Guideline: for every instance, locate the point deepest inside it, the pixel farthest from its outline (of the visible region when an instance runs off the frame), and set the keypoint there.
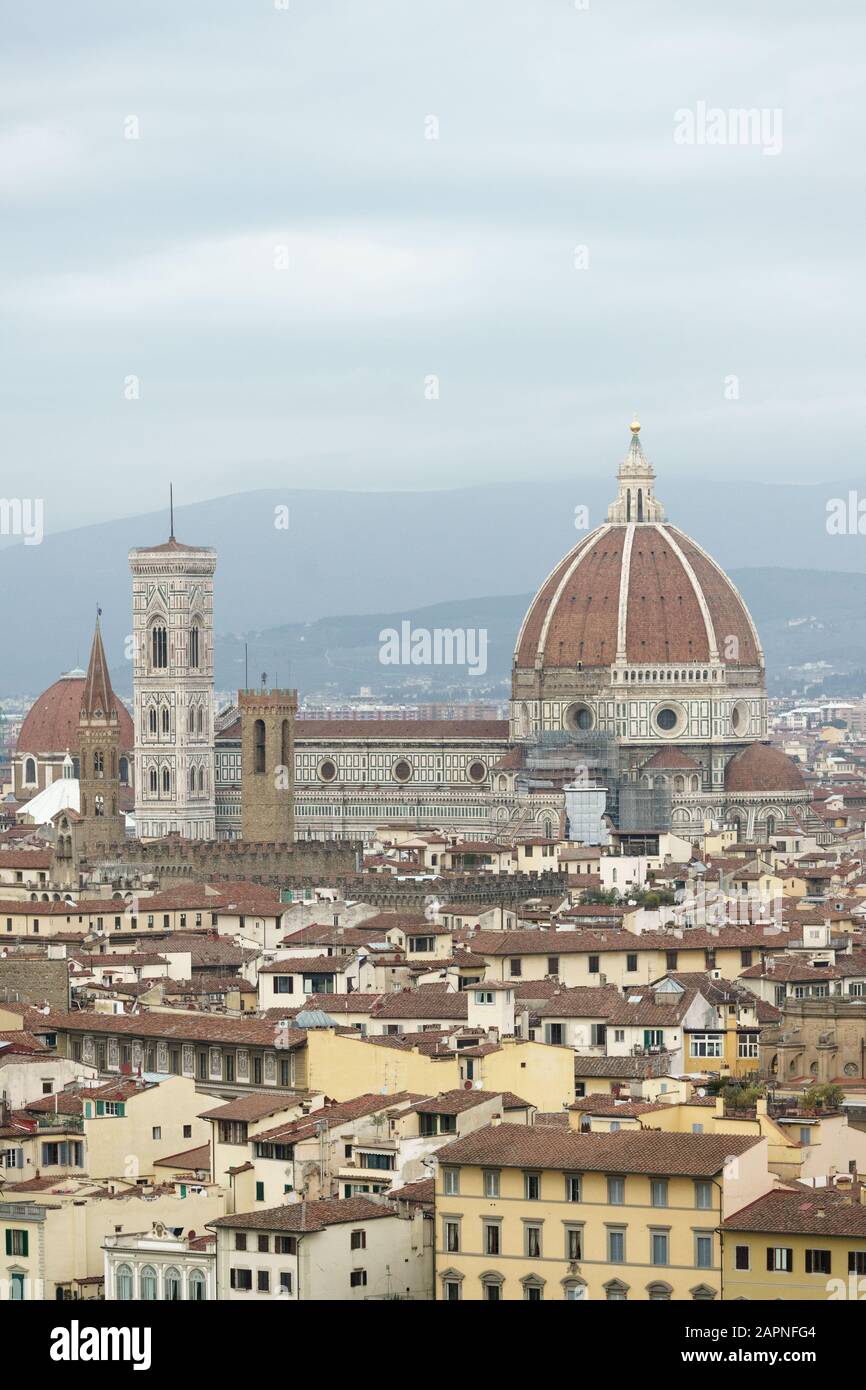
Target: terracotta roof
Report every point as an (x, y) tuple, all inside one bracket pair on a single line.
[(422, 1192), (650, 1152), (580, 1002), (575, 616), (255, 1106), (300, 1218), (194, 1027), (609, 1105), (190, 1160), (52, 723), (428, 1003), (334, 1113), (816, 1211), (624, 1068), (762, 768), (308, 965)]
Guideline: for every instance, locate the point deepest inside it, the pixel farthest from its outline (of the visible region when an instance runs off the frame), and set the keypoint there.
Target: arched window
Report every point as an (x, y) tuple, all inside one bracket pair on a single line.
[(679, 783), (151, 719), (158, 648), (771, 826), (192, 779), (696, 783), (491, 1286), (153, 780), (615, 1290), (200, 719), (166, 780), (574, 1290), (172, 1285), (193, 647), (99, 763), (148, 1283), (259, 744), (201, 779), (197, 1286), (640, 504), (190, 723), (30, 771), (124, 1283), (98, 806), (659, 1292), (166, 719)]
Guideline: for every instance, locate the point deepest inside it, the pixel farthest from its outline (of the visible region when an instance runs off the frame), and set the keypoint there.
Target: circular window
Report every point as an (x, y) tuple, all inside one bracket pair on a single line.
[(402, 771), (668, 719), (740, 717), (579, 718), (327, 770), (477, 771)]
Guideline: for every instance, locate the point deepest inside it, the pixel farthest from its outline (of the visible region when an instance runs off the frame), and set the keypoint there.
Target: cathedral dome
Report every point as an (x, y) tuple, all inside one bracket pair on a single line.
[(637, 591), (762, 768), (51, 724)]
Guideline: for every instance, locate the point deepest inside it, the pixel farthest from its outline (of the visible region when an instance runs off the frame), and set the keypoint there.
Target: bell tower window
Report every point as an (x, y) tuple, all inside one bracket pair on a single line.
[(159, 648)]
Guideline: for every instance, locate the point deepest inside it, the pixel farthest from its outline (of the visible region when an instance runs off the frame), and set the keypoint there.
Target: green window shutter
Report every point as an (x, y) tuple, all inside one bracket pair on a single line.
[(260, 1192), (121, 1109), (25, 1242), (8, 1242), (100, 1107), (183, 1189)]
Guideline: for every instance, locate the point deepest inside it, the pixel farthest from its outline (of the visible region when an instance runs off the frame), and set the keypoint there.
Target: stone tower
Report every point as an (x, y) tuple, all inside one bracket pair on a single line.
[(172, 616), (267, 764), (100, 822)]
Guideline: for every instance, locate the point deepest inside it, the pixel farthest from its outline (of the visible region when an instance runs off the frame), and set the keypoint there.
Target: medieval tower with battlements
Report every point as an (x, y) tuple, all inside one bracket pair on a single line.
[(268, 761)]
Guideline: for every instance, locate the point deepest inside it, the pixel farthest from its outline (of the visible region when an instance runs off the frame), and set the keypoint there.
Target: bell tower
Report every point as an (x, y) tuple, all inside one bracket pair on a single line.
[(268, 765), (100, 821)]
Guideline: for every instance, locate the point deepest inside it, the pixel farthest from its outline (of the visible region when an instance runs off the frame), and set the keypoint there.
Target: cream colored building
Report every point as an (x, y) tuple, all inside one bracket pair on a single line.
[(542, 1213), (334, 1250)]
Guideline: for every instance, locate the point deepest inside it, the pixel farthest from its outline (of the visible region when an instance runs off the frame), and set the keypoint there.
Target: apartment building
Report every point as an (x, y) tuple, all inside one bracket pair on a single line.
[(335, 1249), (540, 1212), (797, 1245)]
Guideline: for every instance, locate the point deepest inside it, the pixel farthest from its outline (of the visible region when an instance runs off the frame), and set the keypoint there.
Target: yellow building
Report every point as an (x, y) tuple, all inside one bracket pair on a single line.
[(797, 1245), (342, 1066), (541, 1212), (596, 955)]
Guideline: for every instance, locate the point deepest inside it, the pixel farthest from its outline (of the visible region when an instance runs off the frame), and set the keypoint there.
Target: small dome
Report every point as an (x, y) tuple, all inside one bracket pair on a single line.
[(763, 768)]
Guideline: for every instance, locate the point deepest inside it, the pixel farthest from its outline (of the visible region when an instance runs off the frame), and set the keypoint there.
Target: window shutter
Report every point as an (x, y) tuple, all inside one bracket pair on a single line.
[(770, 1264), (100, 1107), (8, 1242), (25, 1243)]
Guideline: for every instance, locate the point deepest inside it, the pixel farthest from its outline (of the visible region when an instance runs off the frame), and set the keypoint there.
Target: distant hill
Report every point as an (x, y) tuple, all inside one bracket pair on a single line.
[(395, 553), (802, 616)]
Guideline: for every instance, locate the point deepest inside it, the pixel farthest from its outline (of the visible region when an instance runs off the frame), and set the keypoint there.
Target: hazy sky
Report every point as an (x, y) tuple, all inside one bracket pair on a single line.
[(300, 134)]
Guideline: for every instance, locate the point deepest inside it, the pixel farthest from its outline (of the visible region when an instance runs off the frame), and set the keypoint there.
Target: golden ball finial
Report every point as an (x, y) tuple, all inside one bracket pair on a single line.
[(635, 425)]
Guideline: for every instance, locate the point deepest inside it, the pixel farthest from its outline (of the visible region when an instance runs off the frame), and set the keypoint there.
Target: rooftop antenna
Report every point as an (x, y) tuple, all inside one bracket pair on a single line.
[(171, 509)]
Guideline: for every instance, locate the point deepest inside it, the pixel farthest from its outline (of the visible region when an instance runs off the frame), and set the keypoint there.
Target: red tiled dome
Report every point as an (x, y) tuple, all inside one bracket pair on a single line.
[(644, 590), (762, 768), (51, 725)]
